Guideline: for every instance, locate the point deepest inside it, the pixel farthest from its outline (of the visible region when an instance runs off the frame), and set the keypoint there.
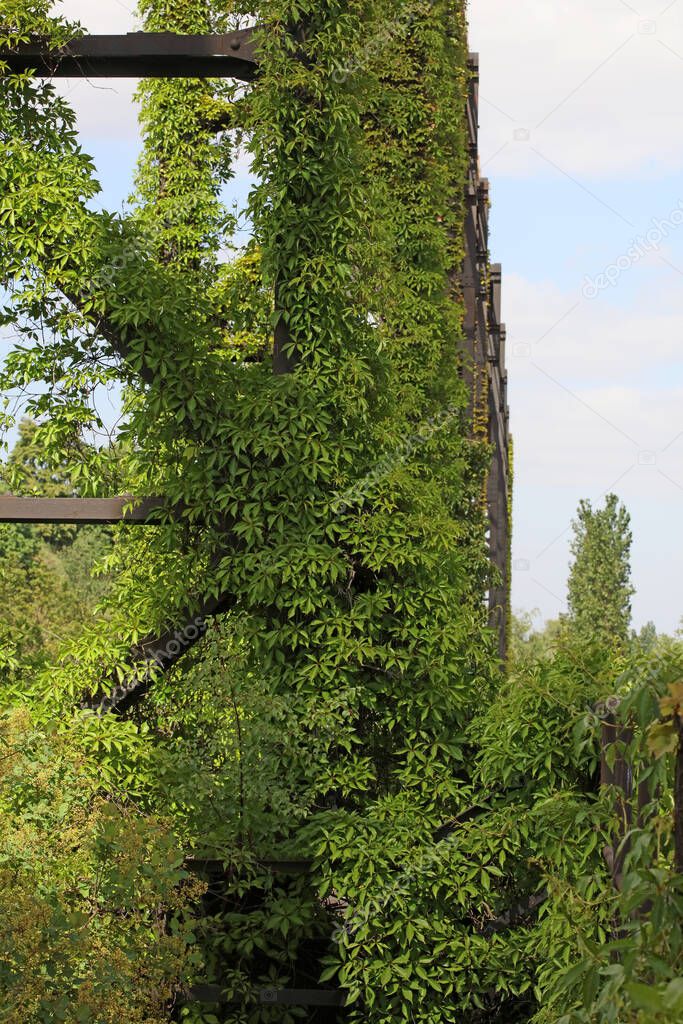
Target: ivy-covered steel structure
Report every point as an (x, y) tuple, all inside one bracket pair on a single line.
[(234, 55), (318, 409)]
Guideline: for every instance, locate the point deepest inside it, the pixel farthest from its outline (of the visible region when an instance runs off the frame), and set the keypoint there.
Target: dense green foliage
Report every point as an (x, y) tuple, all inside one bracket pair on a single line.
[(91, 891), (336, 508), (345, 708), (620, 946), (597, 954), (47, 588)]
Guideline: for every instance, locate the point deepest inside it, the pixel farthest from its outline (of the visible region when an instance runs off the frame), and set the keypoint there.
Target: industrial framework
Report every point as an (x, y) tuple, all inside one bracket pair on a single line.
[(485, 365), (233, 55)]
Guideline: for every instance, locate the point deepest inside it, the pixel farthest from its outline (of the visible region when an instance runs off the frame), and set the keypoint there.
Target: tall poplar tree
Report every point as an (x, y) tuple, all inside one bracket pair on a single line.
[(599, 588)]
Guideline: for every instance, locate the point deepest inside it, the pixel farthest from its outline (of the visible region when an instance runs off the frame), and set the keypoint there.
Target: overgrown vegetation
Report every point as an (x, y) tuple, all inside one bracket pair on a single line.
[(370, 804), (47, 589)]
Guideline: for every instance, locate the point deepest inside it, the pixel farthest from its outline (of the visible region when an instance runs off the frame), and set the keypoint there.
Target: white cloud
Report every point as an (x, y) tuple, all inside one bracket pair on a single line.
[(105, 107), (580, 339), (595, 387), (596, 406), (595, 83), (107, 16), (594, 437)]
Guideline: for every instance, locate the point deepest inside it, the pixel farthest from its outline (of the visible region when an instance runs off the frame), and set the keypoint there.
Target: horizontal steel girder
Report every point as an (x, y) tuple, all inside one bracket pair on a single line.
[(140, 55)]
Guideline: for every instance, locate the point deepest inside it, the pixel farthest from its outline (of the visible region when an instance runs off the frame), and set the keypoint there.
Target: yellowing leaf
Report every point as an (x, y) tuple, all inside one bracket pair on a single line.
[(662, 739), (673, 702)]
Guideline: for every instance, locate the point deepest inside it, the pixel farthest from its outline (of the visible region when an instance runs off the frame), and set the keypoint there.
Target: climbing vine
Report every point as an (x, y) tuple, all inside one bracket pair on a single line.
[(299, 404)]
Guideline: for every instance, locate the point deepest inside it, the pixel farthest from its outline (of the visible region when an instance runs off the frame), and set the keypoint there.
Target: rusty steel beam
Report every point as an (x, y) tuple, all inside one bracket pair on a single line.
[(484, 348), (158, 653), (139, 55), (78, 511), (213, 866), (272, 996)]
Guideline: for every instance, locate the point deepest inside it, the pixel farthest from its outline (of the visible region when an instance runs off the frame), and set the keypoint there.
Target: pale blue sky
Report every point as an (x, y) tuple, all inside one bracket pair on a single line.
[(582, 139), (596, 385)]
